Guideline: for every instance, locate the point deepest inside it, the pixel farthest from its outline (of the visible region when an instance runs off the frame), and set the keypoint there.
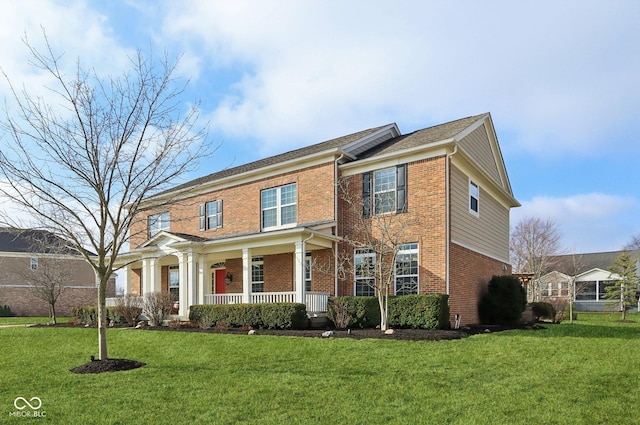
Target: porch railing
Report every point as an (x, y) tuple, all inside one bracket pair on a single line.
[(316, 302)]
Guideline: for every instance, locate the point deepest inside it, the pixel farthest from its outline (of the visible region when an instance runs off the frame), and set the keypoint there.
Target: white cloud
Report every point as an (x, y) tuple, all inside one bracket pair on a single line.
[(74, 31), (320, 69), (588, 222)]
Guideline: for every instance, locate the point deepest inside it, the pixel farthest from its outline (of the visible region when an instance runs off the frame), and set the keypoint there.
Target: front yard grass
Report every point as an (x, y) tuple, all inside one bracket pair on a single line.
[(581, 373)]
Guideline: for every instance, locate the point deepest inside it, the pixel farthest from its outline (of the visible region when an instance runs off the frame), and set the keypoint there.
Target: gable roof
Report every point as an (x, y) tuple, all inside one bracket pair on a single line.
[(33, 241), (366, 145), (578, 264)]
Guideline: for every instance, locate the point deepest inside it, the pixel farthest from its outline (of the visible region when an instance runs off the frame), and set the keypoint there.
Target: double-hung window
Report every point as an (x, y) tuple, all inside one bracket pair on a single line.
[(279, 206), (365, 272), (257, 274), (174, 283), (308, 264), (385, 191), (158, 222), (407, 269), (474, 198), (211, 215)]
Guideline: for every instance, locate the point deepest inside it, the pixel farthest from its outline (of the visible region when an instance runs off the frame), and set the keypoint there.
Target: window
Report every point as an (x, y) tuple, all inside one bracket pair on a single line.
[(257, 274), (365, 272), (279, 206), (407, 269), (474, 198), (385, 191), (158, 222), (211, 215), (174, 283), (307, 271), (33, 265)]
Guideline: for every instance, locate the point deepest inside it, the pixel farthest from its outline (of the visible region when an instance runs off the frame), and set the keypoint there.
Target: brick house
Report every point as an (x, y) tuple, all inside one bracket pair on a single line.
[(273, 230), (23, 252)]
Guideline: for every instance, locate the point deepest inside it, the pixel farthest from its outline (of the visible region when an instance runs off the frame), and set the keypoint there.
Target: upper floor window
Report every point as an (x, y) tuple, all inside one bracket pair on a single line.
[(474, 198), (385, 191), (365, 272), (279, 206), (158, 222), (407, 269), (33, 265), (211, 215)]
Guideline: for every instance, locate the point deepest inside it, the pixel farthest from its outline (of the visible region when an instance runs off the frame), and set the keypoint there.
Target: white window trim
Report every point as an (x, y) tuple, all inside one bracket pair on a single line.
[(376, 205), (474, 196), (33, 263), (218, 214), (160, 223), (416, 251), (256, 261), (278, 207), (364, 254)]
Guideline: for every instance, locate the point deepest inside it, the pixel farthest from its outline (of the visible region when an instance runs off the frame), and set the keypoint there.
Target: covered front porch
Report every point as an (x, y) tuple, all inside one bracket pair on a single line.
[(265, 267)]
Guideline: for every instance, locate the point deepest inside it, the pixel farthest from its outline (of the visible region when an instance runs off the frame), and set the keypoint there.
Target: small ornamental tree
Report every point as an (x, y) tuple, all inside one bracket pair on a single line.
[(623, 288), (504, 301)]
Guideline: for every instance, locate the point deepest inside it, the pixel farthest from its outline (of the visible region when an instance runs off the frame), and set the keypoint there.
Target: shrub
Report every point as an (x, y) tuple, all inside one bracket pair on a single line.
[(271, 315), (504, 301), (364, 311), (543, 310), (129, 308), (5, 311), (156, 306), (425, 311), (88, 315), (338, 312)]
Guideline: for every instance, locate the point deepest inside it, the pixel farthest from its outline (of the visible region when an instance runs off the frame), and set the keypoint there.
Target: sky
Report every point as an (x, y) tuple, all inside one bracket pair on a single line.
[(560, 78)]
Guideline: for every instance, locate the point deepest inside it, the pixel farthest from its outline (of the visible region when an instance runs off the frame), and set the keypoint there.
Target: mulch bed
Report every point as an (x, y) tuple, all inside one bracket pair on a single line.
[(108, 365), (114, 365)]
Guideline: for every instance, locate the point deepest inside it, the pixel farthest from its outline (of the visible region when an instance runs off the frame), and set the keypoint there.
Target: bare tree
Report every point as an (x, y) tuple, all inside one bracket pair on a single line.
[(634, 243), (379, 237), (534, 241), (83, 169)]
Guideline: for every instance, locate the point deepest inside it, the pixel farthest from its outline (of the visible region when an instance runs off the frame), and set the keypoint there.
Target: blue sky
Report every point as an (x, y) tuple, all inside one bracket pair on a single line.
[(560, 78)]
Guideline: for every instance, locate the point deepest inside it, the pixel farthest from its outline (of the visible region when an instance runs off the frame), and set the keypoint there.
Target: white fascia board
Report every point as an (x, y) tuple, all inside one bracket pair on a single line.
[(433, 150), (596, 275), (471, 168), (8, 254)]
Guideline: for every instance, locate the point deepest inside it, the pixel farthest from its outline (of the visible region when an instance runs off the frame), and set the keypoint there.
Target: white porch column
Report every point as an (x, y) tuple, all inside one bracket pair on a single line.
[(203, 266), (126, 280), (246, 275), (188, 282), (298, 272), (150, 275)]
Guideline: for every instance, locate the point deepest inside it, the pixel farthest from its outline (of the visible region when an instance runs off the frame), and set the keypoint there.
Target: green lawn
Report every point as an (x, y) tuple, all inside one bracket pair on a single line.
[(581, 373)]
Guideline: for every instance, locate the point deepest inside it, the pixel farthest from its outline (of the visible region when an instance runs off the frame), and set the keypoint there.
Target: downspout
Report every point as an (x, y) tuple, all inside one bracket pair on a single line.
[(448, 216), (335, 217)]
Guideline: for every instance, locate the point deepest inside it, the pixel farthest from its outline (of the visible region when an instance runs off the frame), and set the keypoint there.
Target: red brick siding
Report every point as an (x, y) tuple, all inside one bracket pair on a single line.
[(241, 205), (278, 272), (470, 273), (425, 223)]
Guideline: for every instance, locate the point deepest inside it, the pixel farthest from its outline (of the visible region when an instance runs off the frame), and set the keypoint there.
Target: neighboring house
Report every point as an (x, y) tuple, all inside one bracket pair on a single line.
[(583, 278), (25, 251), (272, 230)]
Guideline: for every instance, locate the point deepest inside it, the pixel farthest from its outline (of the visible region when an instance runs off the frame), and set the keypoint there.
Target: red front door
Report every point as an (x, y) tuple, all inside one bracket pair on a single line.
[(221, 287)]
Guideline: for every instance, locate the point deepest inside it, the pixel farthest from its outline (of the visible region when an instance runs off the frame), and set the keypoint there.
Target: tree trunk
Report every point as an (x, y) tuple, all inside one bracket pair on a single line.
[(102, 320), (52, 313), (383, 311)]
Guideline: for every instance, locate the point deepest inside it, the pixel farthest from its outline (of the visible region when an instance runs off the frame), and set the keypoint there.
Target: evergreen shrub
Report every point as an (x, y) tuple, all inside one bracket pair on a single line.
[(504, 301)]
